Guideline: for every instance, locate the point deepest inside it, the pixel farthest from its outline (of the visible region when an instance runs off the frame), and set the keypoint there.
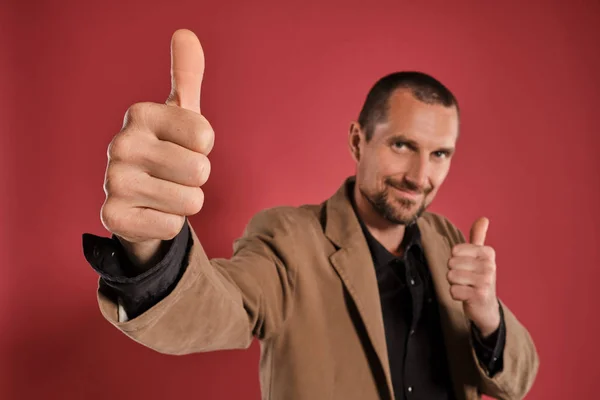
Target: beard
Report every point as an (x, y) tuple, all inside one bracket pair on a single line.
[(398, 210)]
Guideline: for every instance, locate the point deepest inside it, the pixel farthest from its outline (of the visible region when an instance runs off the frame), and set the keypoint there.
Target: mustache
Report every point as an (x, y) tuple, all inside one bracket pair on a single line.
[(408, 186)]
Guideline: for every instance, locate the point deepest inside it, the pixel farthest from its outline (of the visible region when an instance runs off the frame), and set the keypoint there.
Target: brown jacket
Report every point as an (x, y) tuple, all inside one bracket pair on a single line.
[(299, 281)]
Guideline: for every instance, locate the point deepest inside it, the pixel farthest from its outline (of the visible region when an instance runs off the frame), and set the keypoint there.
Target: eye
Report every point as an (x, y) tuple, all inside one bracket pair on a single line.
[(440, 154), (398, 145)]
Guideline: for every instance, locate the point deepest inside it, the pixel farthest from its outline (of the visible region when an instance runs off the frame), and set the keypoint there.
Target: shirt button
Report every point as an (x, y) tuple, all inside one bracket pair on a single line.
[(410, 389), (412, 281), (412, 331)]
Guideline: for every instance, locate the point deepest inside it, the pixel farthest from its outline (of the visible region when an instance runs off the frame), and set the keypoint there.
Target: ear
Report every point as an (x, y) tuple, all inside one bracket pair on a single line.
[(355, 140)]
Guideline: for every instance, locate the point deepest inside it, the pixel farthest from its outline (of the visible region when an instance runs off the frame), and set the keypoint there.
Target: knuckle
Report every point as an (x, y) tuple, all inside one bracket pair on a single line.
[(456, 275), (135, 114), (459, 248), (454, 291), (452, 262), (200, 170), (114, 183), (193, 203), (109, 215), (120, 147), (172, 226), (490, 252), (490, 267), (208, 141), (204, 136)]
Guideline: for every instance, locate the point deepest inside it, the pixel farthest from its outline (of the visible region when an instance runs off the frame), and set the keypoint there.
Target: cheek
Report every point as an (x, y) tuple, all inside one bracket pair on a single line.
[(371, 165), (438, 175), (363, 169), (393, 164)]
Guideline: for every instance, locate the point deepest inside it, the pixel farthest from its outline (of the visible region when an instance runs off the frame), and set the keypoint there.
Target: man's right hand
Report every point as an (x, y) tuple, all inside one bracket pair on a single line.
[(158, 161)]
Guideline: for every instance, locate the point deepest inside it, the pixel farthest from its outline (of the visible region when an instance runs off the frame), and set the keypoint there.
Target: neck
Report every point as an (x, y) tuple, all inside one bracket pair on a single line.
[(390, 235)]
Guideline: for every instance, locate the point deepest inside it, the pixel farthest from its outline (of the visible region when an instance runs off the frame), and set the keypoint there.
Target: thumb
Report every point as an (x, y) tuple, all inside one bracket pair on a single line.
[(187, 70), (479, 230)]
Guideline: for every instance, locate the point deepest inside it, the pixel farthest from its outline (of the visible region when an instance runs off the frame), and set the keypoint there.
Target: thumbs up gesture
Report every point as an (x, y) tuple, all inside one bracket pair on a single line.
[(472, 278), (158, 162)]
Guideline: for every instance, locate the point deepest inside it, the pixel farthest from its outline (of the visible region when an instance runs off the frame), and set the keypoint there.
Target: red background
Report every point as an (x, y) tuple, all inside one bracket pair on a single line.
[(282, 83)]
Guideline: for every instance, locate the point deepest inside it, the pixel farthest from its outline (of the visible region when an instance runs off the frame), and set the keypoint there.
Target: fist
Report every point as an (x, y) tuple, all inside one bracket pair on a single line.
[(472, 278), (158, 162)]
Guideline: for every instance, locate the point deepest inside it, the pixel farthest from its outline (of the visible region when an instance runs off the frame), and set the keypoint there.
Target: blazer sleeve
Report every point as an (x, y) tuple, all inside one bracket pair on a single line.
[(520, 357), (221, 303)]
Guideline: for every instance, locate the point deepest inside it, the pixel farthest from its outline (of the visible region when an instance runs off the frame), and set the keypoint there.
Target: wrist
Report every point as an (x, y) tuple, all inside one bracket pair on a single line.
[(491, 324), (144, 255)]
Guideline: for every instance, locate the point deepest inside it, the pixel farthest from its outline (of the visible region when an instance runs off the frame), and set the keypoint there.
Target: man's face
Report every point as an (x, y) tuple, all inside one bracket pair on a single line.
[(407, 158)]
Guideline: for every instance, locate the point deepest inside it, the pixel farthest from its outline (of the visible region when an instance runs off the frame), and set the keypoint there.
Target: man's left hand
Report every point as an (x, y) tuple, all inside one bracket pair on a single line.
[(472, 278)]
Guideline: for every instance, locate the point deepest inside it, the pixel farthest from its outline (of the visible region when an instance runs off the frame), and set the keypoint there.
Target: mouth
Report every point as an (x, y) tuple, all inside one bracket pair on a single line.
[(407, 194)]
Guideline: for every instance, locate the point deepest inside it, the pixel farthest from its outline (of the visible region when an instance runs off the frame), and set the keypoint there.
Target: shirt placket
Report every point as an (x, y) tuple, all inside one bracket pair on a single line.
[(416, 288)]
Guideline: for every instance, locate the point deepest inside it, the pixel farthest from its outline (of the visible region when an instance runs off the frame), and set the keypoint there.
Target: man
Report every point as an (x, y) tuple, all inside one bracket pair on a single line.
[(365, 296)]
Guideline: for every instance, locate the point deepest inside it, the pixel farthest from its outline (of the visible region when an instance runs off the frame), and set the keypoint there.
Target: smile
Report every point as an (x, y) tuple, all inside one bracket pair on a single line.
[(407, 194)]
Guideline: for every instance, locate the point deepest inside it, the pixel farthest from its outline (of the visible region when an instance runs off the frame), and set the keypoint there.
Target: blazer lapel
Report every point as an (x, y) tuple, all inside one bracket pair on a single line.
[(455, 325), (437, 252), (354, 265)]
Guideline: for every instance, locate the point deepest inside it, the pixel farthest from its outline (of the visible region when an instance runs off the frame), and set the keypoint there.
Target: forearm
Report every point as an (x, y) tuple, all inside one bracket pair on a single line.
[(203, 312), (489, 348), (219, 304), (520, 363)]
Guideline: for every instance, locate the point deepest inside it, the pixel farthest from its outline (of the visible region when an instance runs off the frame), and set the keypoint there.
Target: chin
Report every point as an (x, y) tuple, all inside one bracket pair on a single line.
[(408, 219), (410, 215)]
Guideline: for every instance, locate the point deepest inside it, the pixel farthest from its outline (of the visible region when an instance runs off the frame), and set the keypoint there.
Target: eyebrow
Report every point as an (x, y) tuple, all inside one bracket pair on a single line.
[(413, 144)]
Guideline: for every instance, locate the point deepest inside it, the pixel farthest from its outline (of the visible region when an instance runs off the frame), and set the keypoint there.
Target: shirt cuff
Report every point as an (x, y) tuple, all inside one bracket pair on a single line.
[(136, 292), (491, 349)]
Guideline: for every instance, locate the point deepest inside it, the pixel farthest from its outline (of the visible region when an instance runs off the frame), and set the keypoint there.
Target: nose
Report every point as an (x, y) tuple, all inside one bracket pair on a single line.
[(418, 171)]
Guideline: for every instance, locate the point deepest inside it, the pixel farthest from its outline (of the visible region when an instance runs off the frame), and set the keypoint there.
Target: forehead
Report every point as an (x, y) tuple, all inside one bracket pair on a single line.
[(407, 115)]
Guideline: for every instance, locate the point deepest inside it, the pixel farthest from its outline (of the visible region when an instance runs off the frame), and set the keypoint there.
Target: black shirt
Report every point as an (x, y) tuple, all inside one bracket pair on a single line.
[(416, 350), (412, 325)]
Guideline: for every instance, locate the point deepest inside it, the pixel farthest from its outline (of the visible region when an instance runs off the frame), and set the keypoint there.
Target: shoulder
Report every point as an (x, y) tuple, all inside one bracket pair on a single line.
[(443, 226), (285, 219)]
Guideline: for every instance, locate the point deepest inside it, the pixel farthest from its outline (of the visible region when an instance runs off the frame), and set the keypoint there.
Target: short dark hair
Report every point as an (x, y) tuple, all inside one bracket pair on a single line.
[(424, 87)]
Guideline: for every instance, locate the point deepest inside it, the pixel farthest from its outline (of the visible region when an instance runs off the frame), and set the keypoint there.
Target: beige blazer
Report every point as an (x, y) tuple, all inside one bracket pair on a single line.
[(302, 281)]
